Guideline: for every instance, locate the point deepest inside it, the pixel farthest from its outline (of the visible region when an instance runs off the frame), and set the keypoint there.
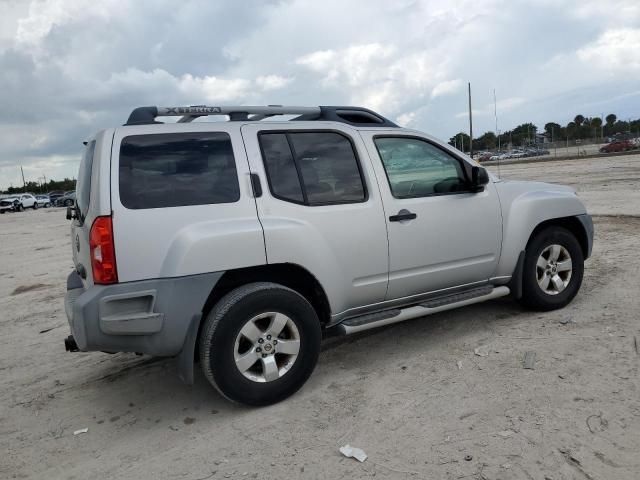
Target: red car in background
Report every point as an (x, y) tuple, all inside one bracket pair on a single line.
[(617, 146)]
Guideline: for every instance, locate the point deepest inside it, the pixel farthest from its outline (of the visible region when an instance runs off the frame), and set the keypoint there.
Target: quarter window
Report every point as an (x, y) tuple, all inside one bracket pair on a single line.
[(177, 169), (314, 168), (416, 168)]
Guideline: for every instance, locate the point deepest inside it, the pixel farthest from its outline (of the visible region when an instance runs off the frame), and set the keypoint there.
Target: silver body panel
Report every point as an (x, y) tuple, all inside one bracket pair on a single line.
[(363, 261)]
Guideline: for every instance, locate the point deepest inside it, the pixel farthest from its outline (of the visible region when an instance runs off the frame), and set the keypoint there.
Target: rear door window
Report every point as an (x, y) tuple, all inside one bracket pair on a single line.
[(313, 168), (177, 169)]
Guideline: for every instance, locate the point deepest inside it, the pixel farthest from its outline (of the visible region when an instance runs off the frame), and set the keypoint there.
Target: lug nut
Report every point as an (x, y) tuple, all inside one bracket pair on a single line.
[(258, 349), (260, 340), (268, 337), (264, 355), (275, 342)]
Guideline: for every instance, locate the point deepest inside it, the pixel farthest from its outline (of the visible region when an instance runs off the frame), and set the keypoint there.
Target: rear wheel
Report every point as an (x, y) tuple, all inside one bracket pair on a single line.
[(260, 343), (553, 269)]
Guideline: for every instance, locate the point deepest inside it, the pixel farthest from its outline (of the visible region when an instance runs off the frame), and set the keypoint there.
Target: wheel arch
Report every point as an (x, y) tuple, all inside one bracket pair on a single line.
[(572, 223), (290, 275)]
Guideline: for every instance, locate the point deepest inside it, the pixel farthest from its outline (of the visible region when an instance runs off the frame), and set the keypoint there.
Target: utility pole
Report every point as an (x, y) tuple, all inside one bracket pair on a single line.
[(495, 114), (470, 125), (24, 184)]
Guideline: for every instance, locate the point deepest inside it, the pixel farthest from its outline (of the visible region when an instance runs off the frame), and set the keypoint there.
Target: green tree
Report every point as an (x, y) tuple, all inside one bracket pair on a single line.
[(553, 130), (578, 120), (611, 119), (487, 141), (461, 141)]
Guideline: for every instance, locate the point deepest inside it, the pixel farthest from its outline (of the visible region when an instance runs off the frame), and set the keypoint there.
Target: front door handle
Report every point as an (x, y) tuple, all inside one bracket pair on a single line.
[(402, 215)]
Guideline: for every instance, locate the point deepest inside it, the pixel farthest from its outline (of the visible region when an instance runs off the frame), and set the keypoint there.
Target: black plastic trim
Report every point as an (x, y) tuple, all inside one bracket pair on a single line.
[(255, 185)]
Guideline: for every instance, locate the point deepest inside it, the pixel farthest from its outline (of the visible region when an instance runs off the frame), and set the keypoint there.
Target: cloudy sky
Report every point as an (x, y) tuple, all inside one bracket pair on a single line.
[(71, 67)]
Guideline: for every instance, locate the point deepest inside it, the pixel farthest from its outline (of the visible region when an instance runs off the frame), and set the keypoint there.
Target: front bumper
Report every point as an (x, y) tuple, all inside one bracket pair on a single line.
[(148, 316), (587, 224)]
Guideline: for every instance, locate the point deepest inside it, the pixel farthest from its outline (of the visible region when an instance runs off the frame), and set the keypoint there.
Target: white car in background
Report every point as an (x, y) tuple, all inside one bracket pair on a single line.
[(21, 201)]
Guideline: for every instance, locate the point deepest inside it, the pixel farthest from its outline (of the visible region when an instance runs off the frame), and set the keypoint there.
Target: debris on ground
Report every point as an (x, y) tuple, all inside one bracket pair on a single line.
[(595, 423), (468, 458), (635, 344), (353, 452), (529, 360), (566, 320), (46, 330), (482, 351), (459, 363), (82, 430)]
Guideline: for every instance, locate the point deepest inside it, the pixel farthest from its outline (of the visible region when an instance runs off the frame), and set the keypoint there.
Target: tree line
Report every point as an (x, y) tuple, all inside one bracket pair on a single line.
[(40, 187), (580, 128)]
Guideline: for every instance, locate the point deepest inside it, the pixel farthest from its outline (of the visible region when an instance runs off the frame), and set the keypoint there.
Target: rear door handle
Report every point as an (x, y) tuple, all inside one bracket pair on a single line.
[(402, 215)]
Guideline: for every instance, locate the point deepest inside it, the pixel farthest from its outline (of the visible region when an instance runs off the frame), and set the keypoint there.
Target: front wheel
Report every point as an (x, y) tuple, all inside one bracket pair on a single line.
[(260, 343), (553, 269), (35, 206)]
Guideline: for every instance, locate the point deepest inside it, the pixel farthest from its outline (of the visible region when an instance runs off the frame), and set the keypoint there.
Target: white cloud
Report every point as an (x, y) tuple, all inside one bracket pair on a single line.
[(272, 82), (406, 119), (615, 50), (71, 67), (447, 87)]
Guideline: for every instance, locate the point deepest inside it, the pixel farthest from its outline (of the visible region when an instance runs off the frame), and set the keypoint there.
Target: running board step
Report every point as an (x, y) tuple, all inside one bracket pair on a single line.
[(449, 302)]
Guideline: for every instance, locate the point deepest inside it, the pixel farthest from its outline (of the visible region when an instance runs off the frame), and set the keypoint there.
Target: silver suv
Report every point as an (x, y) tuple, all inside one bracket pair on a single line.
[(239, 244)]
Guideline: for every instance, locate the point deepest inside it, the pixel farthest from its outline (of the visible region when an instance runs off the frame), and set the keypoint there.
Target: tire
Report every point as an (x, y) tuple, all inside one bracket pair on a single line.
[(47, 205), (35, 205), (221, 343), (68, 203), (20, 208), (539, 269)]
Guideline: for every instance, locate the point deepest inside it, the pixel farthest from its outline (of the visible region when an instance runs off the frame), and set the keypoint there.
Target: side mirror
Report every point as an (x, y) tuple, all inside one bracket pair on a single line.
[(479, 178)]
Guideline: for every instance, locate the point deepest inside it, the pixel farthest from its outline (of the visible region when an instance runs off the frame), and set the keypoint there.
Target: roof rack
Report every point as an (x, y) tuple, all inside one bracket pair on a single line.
[(357, 116)]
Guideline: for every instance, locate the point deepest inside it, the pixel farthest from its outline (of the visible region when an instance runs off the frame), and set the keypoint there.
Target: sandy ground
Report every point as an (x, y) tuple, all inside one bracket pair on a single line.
[(413, 396)]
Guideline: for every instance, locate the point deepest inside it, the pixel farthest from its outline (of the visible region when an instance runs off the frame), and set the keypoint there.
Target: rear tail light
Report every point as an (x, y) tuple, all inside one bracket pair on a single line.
[(103, 252)]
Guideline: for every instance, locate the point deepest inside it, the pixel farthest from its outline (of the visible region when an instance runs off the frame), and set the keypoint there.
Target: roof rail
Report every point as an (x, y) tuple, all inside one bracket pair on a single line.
[(356, 116)]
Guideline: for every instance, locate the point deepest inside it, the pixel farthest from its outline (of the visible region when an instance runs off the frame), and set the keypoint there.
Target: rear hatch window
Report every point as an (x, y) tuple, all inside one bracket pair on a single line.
[(83, 187)]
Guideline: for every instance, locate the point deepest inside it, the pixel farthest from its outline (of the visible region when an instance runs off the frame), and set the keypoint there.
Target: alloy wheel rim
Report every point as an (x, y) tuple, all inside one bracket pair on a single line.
[(553, 269), (266, 347)]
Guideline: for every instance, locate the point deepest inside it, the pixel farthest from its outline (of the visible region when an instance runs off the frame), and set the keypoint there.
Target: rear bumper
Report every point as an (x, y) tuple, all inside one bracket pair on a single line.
[(149, 316)]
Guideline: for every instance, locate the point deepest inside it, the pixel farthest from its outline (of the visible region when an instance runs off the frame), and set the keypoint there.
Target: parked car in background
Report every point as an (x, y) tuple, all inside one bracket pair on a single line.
[(43, 201), (617, 146), (67, 200), (19, 202), (55, 195), (9, 204)]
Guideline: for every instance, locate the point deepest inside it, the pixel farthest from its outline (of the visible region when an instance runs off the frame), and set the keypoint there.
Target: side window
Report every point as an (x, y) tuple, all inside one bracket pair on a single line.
[(83, 188), (314, 168), (177, 169), (416, 168)]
